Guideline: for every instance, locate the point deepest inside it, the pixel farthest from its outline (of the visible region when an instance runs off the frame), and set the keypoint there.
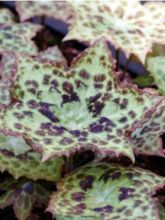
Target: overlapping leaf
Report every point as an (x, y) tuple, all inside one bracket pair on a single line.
[(147, 132), (55, 9), (17, 158), (24, 195), (17, 37), (62, 111), (107, 191), (128, 25), (156, 67), (6, 16), (52, 55)]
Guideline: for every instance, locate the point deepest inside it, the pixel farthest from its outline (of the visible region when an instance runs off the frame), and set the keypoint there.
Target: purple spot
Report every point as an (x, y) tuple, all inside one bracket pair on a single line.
[(78, 196), (125, 193), (87, 182), (96, 128)]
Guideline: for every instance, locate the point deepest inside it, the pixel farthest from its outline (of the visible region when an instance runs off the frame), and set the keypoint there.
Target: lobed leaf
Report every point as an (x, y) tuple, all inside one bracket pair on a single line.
[(55, 9), (6, 16), (156, 67), (107, 191), (17, 38), (128, 25), (17, 158), (60, 111), (24, 195)]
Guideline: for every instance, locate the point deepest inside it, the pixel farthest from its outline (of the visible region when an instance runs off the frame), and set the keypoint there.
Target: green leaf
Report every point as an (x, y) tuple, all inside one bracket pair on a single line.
[(24, 195), (156, 67), (146, 133), (128, 25), (107, 191), (6, 16), (53, 55), (143, 80), (59, 111), (162, 211), (54, 9), (17, 38), (17, 158)]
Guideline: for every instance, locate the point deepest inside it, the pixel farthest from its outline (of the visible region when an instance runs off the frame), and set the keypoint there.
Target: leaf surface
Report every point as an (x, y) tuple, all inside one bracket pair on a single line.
[(129, 26), (17, 38), (6, 16), (55, 9), (60, 111), (107, 191)]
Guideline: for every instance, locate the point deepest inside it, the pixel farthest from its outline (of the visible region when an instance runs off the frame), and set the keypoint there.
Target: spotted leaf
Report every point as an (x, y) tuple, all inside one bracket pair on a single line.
[(156, 67), (146, 133), (18, 159), (6, 16), (128, 25), (59, 111), (55, 9), (107, 191), (24, 195), (17, 37)]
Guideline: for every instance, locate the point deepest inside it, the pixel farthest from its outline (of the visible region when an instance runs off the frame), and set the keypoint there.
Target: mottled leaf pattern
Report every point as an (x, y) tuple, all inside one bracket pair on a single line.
[(145, 135), (63, 111), (156, 67), (24, 195), (55, 9), (17, 158), (6, 16), (128, 25), (17, 37), (107, 191)]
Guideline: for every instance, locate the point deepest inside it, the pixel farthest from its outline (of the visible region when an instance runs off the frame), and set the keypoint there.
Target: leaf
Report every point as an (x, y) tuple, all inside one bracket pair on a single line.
[(162, 211), (107, 191), (128, 25), (146, 133), (143, 80), (59, 111), (53, 55), (156, 67), (55, 9), (24, 195), (17, 158), (6, 16), (17, 38)]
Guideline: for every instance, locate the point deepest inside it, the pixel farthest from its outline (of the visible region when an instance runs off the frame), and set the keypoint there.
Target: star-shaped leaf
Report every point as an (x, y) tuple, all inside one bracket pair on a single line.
[(156, 67), (128, 25), (59, 111), (55, 9), (18, 159), (17, 37), (24, 195), (107, 191), (6, 16)]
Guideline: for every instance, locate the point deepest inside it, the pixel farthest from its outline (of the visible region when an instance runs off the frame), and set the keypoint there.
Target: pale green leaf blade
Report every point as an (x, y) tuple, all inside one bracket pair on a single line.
[(107, 191), (6, 16)]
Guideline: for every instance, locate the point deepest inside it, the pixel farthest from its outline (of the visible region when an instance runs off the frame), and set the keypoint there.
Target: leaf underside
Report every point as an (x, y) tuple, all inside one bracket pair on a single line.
[(129, 26), (55, 9), (17, 37), (6, 16), (59, 112), (18, 159), (106, 191), (24, 195), (156, 67)]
